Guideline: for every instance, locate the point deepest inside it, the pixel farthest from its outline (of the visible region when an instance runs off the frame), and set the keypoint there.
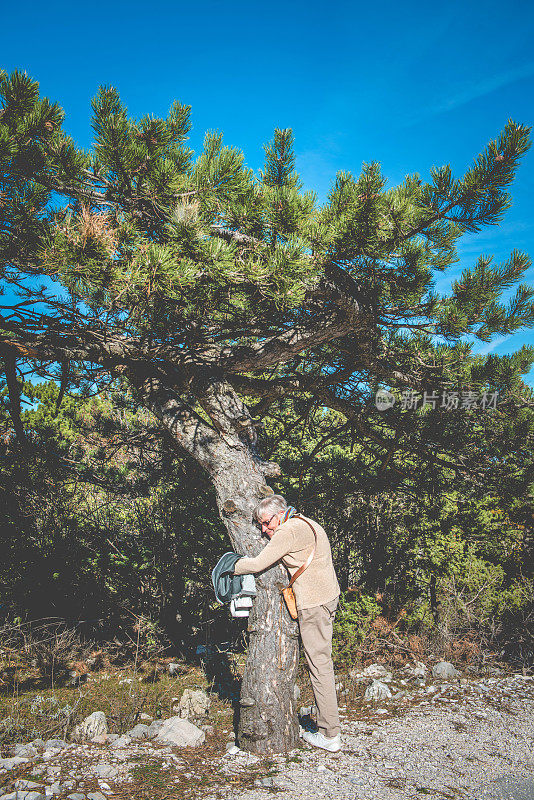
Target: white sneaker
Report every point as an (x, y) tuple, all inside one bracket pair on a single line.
[(332, 744)]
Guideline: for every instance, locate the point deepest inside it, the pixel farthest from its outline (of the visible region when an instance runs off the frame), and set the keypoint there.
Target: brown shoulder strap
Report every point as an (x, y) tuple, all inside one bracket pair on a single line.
[(308, 561)]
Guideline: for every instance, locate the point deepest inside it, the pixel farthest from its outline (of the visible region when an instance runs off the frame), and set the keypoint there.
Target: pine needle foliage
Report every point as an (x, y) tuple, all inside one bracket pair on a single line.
[(152, 258)]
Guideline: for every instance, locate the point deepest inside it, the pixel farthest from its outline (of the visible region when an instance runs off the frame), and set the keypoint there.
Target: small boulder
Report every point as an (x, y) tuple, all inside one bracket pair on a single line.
[(39, 744), (34, 796), (121, 741), (23, 784), (377, 691), (25, 750), (444, 670), (93, 725), (377, 672), (140, 731), (173, 669), (418, 670), (105, 771), (154, 727), (55, 744), (194, 703), (181, 733), (264, 783), (10, 763)]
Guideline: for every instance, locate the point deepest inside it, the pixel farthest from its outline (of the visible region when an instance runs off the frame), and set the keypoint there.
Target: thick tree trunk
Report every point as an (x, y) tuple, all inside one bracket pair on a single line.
[(267, 721)]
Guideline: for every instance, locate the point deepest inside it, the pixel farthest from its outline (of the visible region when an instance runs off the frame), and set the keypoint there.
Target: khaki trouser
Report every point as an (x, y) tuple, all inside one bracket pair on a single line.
[(316, 627)]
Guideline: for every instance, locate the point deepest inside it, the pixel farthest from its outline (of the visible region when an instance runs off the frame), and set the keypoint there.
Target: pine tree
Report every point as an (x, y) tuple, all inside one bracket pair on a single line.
[(215, 294)]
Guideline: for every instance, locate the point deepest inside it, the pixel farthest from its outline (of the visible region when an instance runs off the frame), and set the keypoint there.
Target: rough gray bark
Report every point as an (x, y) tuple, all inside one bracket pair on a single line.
[(223, 444)]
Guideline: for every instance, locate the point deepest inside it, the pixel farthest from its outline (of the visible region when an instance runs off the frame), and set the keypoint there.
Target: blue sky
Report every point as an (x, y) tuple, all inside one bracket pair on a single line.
[(406, 84)]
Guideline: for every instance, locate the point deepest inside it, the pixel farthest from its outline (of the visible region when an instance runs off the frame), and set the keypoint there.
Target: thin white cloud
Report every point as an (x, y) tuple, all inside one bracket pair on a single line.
[(490, 346), (475, 90)]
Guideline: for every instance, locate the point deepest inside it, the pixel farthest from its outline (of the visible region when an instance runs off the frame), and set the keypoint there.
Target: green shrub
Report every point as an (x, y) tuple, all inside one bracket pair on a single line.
[(354, 616)]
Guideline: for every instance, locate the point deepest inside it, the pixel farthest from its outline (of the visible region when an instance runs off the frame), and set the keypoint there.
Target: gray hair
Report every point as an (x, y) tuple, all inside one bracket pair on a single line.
[(270, 506)]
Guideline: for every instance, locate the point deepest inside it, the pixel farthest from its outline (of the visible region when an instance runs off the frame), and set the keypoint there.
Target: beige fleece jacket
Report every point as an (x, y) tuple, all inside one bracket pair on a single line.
[(292, 543)]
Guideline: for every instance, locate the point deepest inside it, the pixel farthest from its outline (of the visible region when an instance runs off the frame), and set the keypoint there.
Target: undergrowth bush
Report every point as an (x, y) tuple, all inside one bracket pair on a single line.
[(354, 617)]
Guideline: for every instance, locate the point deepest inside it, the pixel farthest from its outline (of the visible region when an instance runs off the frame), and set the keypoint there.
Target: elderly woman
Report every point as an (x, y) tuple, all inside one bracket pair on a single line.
[(317, 595)]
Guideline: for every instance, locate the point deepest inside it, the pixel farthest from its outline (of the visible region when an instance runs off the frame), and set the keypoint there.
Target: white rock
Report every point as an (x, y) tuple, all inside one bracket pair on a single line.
[(173, 669), (180, 732), (27, 785), (377, 691), (23, 795), (194, 703), (154, 727), (93, 725), (9, 763), (139, 732), (444, 670), (377, 671), (122, 741), (232, 750), (32, 795), (105, 771), (55, 744), (419, 670), (25, 750)]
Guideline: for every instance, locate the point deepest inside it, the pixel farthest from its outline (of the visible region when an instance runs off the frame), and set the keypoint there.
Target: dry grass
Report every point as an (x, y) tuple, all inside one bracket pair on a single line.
[(27, 713)]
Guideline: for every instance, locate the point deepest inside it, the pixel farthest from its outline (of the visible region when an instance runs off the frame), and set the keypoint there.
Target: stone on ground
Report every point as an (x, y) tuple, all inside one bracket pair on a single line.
[(93, 725), (194, 703), (139, 732), (444, 670), (181, 733), (377, 691)]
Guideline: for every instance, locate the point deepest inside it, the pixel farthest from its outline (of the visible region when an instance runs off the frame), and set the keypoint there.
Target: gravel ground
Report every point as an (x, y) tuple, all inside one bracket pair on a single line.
[(473, 742), (463, 739)]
